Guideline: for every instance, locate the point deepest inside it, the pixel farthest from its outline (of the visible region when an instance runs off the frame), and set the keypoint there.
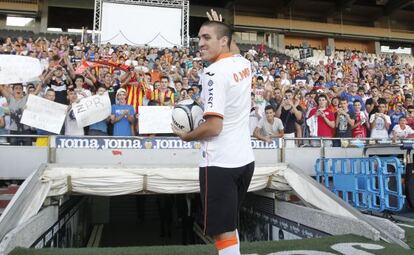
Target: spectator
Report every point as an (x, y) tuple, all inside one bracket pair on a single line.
[(290, 113), (17, 101), (345, 121), (99, 128), (269, 127), (321, 120), (380, 122), (361, 125), (410, 116), (80, 91), (355, 76), (396, 114), (71, 125), (163, 95), (58, 81), (122, 116), (401, 130), (352, 95)]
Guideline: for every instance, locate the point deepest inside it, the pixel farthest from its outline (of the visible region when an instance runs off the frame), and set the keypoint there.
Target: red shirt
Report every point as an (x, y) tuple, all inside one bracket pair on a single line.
[(323, 129)]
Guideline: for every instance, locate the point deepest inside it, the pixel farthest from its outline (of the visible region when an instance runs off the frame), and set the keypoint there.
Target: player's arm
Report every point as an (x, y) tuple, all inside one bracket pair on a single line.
[(211, 127)]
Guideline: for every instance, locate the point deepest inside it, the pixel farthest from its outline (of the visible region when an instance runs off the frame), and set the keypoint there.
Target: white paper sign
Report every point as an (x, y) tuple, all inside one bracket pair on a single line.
[(18, 69), (155, 119), (92, 109), (44, 114), (303, 82)]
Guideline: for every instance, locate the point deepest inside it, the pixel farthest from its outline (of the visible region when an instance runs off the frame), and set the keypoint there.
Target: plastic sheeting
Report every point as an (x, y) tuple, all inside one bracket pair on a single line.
[(114, 181)]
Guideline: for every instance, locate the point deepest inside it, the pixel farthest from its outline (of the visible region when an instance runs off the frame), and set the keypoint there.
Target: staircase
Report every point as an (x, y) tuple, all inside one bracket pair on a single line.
[(6, 195)]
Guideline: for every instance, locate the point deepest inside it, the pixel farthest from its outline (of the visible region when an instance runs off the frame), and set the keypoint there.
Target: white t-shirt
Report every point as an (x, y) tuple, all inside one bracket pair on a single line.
[(379, 130), (285, 82), (226, 92), (71, 125), (268, 129), (402, 133)]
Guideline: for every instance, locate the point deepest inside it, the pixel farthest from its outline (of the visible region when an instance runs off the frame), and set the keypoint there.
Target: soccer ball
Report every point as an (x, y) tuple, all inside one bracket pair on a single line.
[(187, 115)]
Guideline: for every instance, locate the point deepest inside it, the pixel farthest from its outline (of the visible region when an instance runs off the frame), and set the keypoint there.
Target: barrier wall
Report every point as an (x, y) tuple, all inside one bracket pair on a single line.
[(20, 161)]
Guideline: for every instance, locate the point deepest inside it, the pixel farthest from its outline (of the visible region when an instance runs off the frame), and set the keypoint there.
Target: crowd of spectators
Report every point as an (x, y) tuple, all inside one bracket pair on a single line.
[(349, 95)]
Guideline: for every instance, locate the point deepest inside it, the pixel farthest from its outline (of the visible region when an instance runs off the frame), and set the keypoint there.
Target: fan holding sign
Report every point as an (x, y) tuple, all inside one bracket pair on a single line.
[(17, 100)]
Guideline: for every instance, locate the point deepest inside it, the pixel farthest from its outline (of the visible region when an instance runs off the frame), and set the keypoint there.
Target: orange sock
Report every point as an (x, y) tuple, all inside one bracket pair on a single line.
[(228, 246)]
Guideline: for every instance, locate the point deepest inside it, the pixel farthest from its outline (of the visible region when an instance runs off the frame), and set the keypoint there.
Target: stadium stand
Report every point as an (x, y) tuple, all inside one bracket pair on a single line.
[(351, 74), (350, 96)]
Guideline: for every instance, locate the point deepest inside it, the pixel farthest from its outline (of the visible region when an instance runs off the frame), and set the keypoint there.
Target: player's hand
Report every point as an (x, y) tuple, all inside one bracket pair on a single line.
[(183, 135), (214, 16)]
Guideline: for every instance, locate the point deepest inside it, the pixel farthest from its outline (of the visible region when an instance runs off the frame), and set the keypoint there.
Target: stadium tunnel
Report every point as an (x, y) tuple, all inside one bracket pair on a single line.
[(121, 221)]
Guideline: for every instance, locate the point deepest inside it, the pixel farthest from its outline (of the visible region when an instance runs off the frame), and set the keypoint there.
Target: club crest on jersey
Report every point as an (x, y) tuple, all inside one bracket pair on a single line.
[(210, 93)]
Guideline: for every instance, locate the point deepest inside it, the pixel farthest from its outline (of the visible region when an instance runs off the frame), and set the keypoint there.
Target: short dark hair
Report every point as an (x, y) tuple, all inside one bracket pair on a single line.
[(269, 107), (322, 96), (79, 77), (17, 85), (165, 77), (357, 101), (382, 101), (221, 28)]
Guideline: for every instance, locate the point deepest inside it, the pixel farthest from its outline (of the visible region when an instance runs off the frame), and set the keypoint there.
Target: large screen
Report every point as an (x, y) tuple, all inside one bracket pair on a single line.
[(140, 25)]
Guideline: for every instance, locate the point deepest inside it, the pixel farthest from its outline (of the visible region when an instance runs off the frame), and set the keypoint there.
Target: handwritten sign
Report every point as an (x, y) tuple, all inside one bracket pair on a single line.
[(155, 119), (92, 109), (18, 69), (44, 114)]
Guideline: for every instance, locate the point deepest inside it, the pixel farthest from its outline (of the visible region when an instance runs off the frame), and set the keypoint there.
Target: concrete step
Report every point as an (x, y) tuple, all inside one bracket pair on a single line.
[(11, 189), (5, 200)]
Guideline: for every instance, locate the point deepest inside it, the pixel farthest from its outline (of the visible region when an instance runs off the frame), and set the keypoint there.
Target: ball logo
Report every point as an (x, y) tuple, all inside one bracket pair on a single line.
[(177, 124)]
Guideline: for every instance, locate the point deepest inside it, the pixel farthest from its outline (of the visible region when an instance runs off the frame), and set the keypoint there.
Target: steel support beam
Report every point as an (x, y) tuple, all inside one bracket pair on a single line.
[(395, 5)]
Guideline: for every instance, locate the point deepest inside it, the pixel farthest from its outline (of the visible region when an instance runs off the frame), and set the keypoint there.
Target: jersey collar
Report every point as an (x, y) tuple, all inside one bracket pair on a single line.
[(223, 55)]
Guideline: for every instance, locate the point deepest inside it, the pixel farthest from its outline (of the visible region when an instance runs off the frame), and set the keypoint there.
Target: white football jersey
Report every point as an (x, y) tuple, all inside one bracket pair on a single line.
[(226, 88)]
